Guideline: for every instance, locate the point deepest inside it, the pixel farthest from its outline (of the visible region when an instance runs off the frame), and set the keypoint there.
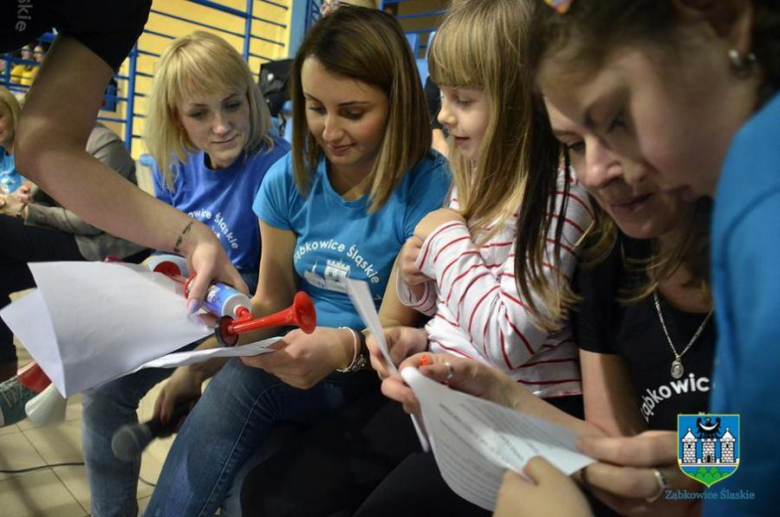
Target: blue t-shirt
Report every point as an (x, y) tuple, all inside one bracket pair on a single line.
[(336, 238), (222, 199), (746, 286), (10, 179)]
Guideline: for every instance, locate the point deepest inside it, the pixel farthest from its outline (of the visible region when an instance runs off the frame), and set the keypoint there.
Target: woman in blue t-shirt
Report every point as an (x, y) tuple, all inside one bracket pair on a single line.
[(208, 131), (360, 177)]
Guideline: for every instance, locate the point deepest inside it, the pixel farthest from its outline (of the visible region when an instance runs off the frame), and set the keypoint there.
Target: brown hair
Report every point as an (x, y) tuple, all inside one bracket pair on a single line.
[(369, 46), (593, 28)]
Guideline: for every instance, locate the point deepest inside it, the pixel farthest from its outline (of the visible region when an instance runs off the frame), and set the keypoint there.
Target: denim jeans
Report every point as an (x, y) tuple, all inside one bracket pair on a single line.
[(113, 483), (231, 421)]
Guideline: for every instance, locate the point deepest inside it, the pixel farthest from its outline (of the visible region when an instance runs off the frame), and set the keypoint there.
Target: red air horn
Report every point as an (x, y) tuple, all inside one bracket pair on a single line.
[(234, 308), (301, 314)]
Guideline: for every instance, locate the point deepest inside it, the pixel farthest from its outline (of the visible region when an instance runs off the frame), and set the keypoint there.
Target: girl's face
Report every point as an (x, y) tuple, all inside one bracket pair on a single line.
[(346, 117), (465, 112), (668, 114), (217, 124), (6, 125), (641, 209)]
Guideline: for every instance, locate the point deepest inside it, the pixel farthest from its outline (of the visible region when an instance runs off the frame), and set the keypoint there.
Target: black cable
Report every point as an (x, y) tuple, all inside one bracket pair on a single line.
[(39, 467), (145, 482)]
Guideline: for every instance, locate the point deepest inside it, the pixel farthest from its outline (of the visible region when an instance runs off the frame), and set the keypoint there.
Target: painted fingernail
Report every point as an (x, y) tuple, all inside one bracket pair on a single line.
[(193, 306)]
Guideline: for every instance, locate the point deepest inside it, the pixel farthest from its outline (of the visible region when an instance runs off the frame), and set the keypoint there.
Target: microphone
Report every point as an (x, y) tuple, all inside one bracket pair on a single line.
[(129, 441)]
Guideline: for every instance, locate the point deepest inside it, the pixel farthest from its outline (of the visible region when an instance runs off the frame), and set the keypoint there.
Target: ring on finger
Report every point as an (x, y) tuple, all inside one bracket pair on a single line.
[(450, 370), (663, 486)]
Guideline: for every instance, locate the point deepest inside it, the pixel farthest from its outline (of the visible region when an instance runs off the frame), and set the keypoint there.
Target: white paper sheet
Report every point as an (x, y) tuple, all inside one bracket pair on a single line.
[(475, 441), (177, 359), (93, 321), (360, 294)]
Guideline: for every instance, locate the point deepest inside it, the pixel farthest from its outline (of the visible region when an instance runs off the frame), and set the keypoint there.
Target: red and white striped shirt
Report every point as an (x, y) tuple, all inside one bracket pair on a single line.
[(478, 310)]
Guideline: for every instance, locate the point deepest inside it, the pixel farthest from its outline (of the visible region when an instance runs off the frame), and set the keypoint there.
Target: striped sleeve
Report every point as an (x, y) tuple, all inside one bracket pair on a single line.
[(426, 304), (484, 298)]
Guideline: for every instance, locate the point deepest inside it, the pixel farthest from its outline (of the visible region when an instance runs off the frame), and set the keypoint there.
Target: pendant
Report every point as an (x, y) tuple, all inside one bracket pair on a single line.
[(677, 369)]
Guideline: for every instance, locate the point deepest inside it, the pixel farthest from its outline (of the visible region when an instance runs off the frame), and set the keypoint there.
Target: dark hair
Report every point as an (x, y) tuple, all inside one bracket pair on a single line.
[(592, 28), (369, 46)]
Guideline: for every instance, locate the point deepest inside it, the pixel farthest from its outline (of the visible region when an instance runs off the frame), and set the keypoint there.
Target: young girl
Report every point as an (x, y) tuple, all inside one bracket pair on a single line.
[(359, 179), (461, 266), (208, 131)]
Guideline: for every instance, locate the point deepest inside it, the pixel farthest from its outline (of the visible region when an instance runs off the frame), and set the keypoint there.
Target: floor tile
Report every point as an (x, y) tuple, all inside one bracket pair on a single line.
[(38, 494), (142, 504), (75, 480), (16, 452), (59, 443), (9, 429)]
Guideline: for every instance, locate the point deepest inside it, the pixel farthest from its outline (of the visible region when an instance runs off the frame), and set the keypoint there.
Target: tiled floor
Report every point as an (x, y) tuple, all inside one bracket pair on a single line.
[(59, 491)]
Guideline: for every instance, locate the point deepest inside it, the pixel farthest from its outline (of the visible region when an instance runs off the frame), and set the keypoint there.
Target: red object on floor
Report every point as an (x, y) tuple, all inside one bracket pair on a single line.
[(32, 376)]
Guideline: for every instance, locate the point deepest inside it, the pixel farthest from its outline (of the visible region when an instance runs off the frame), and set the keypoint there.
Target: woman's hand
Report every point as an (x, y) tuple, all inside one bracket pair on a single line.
[(302, 360), (206, 256), (549, 492), (402, 342), (435, 219), (12, 205), (458, 373), (624, 477), (182, 387)]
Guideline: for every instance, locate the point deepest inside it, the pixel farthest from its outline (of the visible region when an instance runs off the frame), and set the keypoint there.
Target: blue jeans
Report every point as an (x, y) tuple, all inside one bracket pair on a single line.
[(113, 483), (231, 421)]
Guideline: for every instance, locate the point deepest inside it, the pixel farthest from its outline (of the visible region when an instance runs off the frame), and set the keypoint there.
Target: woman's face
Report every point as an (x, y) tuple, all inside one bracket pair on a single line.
[(217, 124), (667, 114), (642, 209), (346, 117), (6, 126)]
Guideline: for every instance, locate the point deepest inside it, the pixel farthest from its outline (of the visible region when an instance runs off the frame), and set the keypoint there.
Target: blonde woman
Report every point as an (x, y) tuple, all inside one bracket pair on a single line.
[(208, 132), (360, 177)]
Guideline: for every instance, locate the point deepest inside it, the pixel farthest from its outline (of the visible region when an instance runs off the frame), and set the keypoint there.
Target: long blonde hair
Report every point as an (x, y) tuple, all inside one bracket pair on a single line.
[(479, 45), (198, 64), (368, 46)]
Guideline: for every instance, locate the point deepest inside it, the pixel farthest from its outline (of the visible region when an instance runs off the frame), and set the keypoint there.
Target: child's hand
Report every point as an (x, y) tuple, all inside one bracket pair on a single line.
[(550, 492), (435, 219), (408, 259), (402, 342)]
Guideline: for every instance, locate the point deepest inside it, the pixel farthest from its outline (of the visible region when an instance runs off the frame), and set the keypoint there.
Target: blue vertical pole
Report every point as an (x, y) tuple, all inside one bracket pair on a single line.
[(248, 28), (301, 10), (130, 105)]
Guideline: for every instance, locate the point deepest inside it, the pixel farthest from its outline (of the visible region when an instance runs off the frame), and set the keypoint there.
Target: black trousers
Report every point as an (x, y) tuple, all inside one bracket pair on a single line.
[(365, 461), (20, 244)]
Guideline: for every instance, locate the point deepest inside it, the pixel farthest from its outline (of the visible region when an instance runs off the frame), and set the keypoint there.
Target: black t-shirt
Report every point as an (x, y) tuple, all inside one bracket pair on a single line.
[(634, 332), (108, 28)]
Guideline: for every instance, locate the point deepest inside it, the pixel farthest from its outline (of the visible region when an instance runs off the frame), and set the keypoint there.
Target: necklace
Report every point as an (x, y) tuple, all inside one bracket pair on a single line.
[(677, 369)]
